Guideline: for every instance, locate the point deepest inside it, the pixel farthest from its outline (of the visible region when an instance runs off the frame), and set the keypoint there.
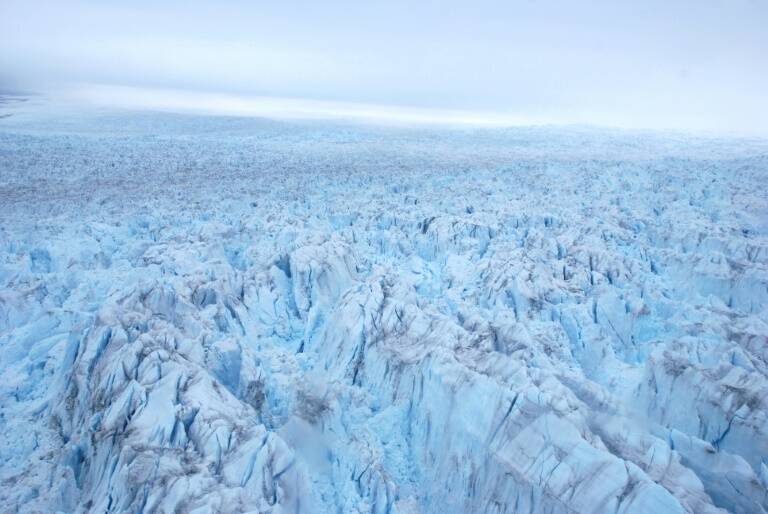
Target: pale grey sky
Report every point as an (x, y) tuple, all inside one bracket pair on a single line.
[(667, 64)]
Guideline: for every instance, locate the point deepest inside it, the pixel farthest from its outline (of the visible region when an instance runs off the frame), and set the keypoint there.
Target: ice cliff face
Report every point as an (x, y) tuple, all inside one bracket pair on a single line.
[(207, 315)]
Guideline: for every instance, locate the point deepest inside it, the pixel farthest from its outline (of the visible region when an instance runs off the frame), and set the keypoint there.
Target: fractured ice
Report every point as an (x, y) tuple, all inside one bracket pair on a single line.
[(231, 315)]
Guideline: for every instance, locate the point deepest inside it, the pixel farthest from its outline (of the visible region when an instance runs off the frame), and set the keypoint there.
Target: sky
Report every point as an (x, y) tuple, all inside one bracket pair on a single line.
[(685, 64)]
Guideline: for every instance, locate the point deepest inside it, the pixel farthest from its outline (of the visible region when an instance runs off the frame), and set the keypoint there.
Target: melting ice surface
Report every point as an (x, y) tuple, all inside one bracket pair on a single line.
[(206, 314)]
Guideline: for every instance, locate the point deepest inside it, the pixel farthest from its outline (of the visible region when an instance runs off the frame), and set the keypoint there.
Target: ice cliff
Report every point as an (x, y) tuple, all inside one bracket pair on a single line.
[(225, 315)]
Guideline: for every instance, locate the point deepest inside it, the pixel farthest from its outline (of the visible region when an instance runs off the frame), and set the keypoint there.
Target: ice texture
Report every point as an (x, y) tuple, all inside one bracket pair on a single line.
[(202, 314)]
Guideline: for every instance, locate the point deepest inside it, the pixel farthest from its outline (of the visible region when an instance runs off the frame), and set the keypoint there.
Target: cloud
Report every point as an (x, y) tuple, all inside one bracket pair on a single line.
[(681, 65)]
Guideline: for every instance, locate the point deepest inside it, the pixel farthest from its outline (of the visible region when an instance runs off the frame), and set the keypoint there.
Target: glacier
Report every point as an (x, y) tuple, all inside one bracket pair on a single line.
[(206, 314)]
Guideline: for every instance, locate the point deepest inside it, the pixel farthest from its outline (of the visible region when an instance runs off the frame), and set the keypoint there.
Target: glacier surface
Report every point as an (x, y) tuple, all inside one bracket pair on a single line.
[(208, 314)]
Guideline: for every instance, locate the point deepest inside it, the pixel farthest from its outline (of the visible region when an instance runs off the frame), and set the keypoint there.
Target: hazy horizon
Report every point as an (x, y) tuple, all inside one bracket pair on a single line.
[(686, 66)]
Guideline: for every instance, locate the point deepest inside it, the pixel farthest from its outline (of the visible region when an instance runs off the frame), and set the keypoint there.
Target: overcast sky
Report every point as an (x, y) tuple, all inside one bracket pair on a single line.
[(667, 64)]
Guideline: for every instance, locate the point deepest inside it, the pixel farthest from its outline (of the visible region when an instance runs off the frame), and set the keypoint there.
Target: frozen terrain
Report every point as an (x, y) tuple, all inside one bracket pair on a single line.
[(209, 314)]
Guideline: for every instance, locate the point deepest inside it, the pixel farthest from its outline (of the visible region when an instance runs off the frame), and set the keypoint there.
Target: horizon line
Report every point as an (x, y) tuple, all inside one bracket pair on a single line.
[(198, 102)]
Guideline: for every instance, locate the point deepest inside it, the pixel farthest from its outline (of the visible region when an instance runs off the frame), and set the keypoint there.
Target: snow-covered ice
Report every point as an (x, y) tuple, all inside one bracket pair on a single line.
[(210, 314)]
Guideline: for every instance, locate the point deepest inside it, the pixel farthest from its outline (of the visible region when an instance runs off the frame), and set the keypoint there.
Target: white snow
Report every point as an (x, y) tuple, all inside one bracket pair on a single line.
[(209, 314)]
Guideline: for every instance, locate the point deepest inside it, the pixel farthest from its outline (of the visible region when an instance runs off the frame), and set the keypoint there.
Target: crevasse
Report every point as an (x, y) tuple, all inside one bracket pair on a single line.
[(219, 315)]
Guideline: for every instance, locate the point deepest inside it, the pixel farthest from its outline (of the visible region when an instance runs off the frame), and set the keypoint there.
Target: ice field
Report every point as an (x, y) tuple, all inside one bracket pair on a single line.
[(206, 314)]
